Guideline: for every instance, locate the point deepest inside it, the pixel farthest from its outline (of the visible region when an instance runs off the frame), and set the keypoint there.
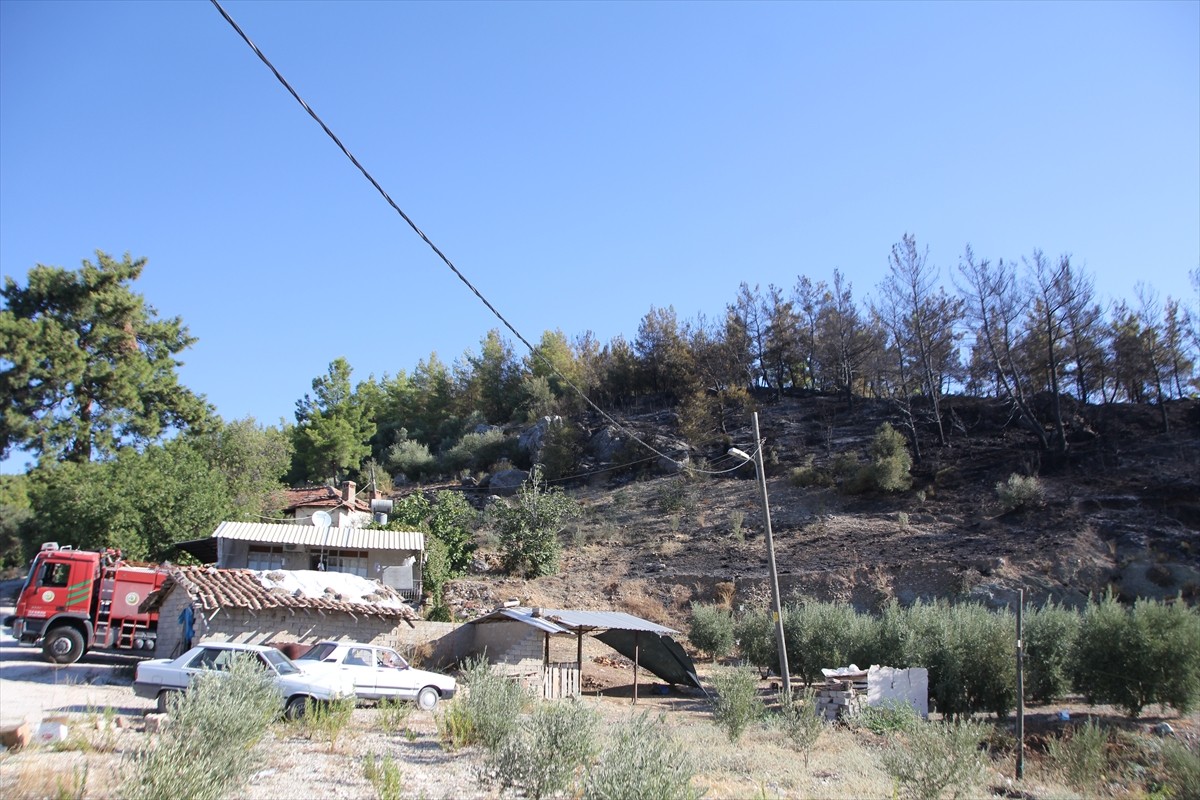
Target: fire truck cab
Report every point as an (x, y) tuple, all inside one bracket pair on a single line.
[(76, 600)]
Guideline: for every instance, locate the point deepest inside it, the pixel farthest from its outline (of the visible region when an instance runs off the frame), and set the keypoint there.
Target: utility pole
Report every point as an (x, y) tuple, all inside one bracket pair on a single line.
[(1020, 686), (777, 611)]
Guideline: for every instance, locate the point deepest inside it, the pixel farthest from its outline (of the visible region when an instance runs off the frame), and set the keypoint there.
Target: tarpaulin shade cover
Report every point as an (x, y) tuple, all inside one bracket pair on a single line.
[(658, 653)]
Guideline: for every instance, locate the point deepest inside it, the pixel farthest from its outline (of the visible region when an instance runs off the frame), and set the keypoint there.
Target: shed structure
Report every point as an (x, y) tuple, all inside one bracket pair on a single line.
[(517, 641)]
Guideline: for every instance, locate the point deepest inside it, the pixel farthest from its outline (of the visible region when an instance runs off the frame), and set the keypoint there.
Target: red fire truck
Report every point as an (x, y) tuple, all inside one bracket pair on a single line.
[(78, 600)]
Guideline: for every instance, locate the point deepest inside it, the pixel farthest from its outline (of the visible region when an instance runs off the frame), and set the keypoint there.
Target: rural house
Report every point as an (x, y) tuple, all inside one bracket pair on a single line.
[(238, 605), (327, 505), (393, 558)]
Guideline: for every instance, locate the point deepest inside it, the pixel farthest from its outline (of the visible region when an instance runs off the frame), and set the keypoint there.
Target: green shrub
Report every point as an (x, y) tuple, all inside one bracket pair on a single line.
[(478, 451), (824, 635), (394, 713), (529, 525), (675, 496), (542, 756), (712, 629), (890, 717), (385, 776), (844, 466), (1133, 657), (930, 759), (888, 470), (736, 520), (326, 720), (1020, 491), (412, 458), (1049, 633), (487, 712), (808, 475), (888, 637), (211, 746), (643, 760), (1181, 763), (756, 641), (968, 651), (801, 722), (1080, 756), (737, 705)]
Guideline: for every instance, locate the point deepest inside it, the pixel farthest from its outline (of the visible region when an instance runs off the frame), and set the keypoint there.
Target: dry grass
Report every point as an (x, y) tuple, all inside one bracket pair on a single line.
[(636, 598), (763, 765)]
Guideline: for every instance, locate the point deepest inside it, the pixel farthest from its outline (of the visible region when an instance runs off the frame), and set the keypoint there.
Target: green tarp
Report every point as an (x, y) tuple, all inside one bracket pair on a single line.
[(658, 653)]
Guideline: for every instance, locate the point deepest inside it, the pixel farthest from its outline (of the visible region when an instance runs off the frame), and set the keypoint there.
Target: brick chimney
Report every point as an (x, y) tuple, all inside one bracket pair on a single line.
[(348, 493)]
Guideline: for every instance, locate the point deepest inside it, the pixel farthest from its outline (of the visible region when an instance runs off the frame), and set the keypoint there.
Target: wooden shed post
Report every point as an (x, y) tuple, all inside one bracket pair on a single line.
[(579, 659)]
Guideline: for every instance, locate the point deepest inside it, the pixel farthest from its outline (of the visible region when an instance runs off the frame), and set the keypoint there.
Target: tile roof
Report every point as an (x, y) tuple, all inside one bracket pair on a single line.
[(242, 588)]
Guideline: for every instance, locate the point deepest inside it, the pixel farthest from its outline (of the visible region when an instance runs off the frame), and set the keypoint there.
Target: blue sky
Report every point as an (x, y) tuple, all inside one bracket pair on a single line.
[(580, 162)]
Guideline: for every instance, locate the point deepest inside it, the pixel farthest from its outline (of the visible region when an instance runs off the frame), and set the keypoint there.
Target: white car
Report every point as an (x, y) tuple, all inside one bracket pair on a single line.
[(379, 672), (159, 678)]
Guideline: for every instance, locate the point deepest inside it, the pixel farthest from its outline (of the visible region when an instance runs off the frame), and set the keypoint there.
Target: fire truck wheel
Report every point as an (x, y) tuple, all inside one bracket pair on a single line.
[(63, 645)]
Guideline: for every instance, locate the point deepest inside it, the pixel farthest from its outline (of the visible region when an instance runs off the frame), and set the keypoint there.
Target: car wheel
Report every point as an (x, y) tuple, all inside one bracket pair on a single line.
[(427, 698), (297, 706), (166, 699), (63, 645)]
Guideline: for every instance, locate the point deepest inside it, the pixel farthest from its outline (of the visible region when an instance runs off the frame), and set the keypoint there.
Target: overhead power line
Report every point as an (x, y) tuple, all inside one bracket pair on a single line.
[(445, 260)]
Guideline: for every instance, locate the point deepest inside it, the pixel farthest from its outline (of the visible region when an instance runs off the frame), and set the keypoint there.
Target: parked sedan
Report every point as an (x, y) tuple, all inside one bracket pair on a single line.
[(379, 672), (159, 678)]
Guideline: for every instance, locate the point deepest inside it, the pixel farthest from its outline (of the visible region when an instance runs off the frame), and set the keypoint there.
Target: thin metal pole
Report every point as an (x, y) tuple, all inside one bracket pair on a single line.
[(637, 656), (1020, 687), (780, 640)]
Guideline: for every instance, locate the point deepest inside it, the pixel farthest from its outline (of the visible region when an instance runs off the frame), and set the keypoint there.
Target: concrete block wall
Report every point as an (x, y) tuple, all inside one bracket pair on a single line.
[(515, 649), (441, 644)]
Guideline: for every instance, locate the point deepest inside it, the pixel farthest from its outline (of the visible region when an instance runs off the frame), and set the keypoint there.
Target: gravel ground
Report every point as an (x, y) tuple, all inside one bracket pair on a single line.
[(295, 765)]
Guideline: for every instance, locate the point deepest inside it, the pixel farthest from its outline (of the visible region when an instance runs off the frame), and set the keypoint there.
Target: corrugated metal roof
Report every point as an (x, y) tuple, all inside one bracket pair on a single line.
[(572, 621), (322, 536)]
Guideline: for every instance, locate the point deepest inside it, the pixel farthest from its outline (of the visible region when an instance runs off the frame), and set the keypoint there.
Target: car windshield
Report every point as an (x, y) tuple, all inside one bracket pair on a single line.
[(319, 652), (282, 664)]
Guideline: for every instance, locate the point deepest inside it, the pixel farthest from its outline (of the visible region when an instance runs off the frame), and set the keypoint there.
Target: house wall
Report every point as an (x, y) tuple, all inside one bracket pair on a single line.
[(514, 648), (342, 517), (170, 630), (235, 554)]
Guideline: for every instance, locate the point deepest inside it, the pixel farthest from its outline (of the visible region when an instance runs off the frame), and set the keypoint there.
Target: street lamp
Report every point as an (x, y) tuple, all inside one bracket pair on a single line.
[(777, 611)]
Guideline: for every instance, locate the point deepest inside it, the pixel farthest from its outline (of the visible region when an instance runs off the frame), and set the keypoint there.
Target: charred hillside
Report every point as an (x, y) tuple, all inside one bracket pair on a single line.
[(1119, 510)]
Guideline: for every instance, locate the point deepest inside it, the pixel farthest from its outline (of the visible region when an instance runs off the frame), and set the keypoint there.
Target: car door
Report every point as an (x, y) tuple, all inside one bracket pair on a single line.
[(393, 675), (207, 659), (359, 662)]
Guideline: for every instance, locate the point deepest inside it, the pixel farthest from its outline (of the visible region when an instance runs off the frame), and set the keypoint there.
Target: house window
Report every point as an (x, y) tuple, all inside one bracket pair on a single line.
[(265, 557), (352, 561)]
